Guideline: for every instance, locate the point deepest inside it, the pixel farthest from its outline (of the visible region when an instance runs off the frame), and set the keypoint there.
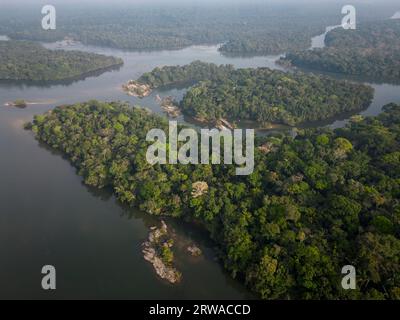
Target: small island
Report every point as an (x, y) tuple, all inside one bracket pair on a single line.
[(19, 103), (194, 251), (158, 251)]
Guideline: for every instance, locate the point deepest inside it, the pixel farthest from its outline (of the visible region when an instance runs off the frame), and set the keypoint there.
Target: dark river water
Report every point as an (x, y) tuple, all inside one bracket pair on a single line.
[(47, 216)]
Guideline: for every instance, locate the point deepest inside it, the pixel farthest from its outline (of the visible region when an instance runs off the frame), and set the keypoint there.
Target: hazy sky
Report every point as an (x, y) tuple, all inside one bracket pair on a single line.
[(71, 3), (190, 1)]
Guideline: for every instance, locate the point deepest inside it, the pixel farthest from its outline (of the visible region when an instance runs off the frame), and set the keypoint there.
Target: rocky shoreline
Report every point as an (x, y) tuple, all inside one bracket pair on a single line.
[(137, 89), (157, 251), (168, 105), (221, 123)]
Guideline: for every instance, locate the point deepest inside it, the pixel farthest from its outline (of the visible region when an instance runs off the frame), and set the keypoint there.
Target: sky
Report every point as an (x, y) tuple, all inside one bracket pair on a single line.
[(197, 2)]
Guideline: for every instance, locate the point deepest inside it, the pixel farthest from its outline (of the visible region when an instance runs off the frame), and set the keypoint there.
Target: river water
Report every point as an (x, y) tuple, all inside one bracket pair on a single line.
[(47, 216)]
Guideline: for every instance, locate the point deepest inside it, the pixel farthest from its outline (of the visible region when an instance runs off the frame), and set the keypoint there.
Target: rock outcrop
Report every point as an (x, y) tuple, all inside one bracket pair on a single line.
[(199, 188), (169, 107), (153, 250), (137, 89), (194, 250), (223, 124)]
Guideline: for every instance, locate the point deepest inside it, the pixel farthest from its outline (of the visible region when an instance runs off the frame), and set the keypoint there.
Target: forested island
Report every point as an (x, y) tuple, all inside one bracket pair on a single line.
[(266, 96), (372, 50), (312, 205), (191, 73), (176, 75), (22, 60), (261, 94)]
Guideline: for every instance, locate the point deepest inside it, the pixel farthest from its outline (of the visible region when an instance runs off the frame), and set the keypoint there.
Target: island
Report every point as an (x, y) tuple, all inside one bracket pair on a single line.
[(370, 51), (220, 95), (158, 251), (194, 251), (19, 103), (29, 61), (175, 75), (314, 203)]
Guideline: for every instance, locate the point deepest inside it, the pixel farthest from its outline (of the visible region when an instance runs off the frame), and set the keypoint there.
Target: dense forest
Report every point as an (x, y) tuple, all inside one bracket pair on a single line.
[(273, 41), (266, 95), (191, 73), (21, 60), (261, 94), (372, 50), (268, 28), (256, 29), (313, 204)]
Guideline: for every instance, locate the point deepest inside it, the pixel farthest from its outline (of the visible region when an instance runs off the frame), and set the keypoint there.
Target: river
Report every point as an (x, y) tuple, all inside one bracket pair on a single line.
[(47, 215)]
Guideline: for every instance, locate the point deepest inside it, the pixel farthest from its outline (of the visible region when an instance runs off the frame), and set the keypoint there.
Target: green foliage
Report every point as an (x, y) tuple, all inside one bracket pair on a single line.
[(383, 224), (372, 50), (191, 73), (288, 228), (245, 28), (261, 94), (20, 103), (20, 60), (266, 95), (166, 254)]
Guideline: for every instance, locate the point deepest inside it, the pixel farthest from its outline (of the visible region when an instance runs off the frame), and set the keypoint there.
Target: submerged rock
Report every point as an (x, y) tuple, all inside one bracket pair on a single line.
[(194, 250)]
